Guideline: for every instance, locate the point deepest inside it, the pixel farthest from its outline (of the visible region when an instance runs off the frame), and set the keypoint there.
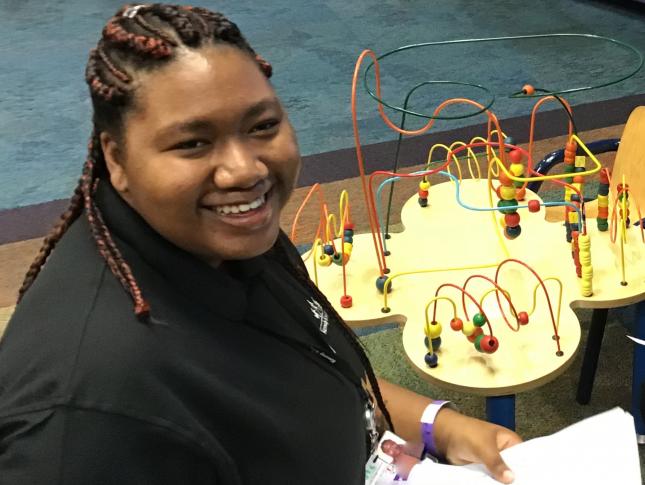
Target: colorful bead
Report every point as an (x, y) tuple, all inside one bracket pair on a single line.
[(489, 344), (349, 240), (348, 233), (337, 259), (507, 192), (523, 318), (424, 185), (516, 155), (423, 194), (468, 328), (479, 319), (521, 193), (432, 360), (502, 204), (456, 324), (324, 260), (346, 301), (511, 220), (534, 205), (478, 341), (380, 284), (517, 169), (503, 178), (423, 202), (512, 232), (436, 343), (478, 331), (434, 329), (329, 249), (348, 226), (528, 89)]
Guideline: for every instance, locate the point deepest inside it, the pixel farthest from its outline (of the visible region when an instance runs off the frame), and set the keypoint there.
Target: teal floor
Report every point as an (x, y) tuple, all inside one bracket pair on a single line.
[(44, 114)]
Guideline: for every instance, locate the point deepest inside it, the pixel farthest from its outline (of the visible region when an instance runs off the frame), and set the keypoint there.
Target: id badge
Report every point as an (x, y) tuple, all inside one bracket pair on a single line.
[(391, 460)]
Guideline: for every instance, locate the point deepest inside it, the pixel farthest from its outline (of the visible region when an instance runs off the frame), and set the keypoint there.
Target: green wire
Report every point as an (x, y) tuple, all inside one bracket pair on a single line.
[(519, 94)]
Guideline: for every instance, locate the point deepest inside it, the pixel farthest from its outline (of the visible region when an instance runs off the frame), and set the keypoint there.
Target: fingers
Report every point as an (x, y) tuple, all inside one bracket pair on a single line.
[(493, 461)]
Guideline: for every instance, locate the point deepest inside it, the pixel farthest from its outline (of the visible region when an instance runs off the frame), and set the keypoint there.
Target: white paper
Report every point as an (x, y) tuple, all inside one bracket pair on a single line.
[(637, 340), (598, 450)]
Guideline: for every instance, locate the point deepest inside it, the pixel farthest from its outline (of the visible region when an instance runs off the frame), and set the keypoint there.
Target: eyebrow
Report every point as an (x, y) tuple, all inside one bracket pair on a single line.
[(201, 124)]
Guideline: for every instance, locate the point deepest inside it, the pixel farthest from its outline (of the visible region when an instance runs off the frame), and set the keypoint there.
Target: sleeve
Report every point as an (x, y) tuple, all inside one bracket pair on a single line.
[(72, 446)]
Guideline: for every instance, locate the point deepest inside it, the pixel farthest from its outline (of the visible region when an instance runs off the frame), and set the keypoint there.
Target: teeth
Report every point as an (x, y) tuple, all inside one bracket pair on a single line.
[(241, 208)]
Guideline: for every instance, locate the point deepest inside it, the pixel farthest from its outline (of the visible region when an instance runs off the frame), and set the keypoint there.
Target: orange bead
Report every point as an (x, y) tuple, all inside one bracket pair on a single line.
[(423, 193), (503, 178), (534, 205), (528, 89), (456, 324), (520, 194), (578, 179)]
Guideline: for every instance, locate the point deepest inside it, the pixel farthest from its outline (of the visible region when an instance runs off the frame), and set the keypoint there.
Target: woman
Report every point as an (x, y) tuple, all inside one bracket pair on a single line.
[(170, 336)]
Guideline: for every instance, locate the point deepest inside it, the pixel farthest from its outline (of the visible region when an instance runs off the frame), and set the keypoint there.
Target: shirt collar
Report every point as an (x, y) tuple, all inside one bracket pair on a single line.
[(223, 292)]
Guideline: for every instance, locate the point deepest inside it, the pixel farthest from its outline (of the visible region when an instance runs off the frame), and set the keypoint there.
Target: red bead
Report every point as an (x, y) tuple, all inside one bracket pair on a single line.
[(512, 220), (346, 301), (348, 225), (497, 191), (523, 318), (456, 324), (516, 155), (534, 205), (423, 193), (571, 146), (528, 89), (489, 344), (478, 331)]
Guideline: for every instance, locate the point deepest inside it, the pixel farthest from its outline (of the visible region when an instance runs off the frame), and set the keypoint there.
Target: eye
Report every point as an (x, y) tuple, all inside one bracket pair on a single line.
[(190, 145), (265, 126)]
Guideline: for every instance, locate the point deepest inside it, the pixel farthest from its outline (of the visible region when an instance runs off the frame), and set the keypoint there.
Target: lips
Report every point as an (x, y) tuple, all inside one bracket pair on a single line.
[(243, 208)]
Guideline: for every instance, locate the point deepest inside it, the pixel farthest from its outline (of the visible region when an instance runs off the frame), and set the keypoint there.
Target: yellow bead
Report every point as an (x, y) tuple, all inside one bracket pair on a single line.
[(585, 258), (324, 260), (577, 186), (468, 328), (424, 185), (347, 247), (603, 201), (587, 272), (507, 193), (584, 241), (433, 330), (573, 217), (517, 169)]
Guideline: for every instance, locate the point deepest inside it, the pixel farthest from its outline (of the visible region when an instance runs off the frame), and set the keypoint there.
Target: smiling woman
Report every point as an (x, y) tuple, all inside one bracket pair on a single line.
[(167, 332)]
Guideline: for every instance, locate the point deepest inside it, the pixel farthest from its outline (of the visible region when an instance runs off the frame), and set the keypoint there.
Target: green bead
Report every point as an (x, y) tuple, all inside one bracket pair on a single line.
[(479, 320), (478, 342), (507, 203), (518, 184)]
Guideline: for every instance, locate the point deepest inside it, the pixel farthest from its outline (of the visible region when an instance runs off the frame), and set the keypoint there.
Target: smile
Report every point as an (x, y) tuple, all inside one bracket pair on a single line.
[(225, 210)]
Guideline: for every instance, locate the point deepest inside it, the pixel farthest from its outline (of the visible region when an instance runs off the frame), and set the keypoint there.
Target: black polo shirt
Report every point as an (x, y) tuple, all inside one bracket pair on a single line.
[(229, 382)]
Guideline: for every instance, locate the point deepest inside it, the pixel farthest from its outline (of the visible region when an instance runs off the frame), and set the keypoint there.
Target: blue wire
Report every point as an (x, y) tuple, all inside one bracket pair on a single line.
[(462, 204)]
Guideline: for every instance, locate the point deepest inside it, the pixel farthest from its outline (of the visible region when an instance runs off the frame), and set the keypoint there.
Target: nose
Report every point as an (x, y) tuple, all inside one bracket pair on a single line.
[(238, 167)]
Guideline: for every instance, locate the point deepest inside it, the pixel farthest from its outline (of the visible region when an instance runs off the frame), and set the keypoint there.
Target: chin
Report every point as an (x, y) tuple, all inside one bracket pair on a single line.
[(249, 247)]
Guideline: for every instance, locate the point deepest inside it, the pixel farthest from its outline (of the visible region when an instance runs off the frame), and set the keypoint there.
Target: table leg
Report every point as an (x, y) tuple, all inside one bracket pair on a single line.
[(501, 410), (638, 375)]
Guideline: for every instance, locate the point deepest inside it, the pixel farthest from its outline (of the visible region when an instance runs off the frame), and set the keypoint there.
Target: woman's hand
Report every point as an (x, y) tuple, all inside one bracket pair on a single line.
[(462, 439)]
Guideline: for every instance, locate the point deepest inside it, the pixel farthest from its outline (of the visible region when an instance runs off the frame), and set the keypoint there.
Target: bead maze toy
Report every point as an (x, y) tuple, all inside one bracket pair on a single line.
[(482, 283)]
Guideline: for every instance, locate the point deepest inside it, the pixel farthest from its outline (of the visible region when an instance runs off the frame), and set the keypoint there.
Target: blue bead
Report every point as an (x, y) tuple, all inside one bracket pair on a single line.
[(423, 202), (348, 233), (578, 169), (432, 360), (603, 189), (380, 284), (349, 239), (329, 249), (436, 343), (513, 232)]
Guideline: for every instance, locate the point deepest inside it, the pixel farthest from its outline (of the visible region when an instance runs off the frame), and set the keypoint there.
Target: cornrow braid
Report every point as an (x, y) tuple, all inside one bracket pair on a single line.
[(281, 253)]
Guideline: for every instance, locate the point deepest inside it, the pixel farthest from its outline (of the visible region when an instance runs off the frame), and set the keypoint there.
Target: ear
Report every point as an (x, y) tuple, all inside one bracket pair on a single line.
[(114, 162)]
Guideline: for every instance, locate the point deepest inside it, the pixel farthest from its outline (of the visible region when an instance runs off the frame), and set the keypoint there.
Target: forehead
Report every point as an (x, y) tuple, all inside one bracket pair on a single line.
[(216, 80)]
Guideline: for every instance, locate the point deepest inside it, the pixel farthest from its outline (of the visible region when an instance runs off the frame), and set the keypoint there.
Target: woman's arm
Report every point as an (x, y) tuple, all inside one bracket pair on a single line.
[(459, 438)]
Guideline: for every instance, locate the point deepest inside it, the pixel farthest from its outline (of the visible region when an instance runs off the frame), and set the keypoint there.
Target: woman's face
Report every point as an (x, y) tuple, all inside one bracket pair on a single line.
[(210, 157)]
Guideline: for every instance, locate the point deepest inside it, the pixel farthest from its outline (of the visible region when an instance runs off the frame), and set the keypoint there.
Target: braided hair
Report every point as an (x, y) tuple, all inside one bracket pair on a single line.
[(136, 38)]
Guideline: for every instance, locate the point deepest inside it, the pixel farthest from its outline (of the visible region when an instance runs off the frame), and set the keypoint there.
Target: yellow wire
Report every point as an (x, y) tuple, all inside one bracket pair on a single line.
[(470, 153), (481, 300), (449, 155), (553, 278), (388, 281), (623, 231), (594, 170), (426, 328), (316, 245), (343, 211)]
